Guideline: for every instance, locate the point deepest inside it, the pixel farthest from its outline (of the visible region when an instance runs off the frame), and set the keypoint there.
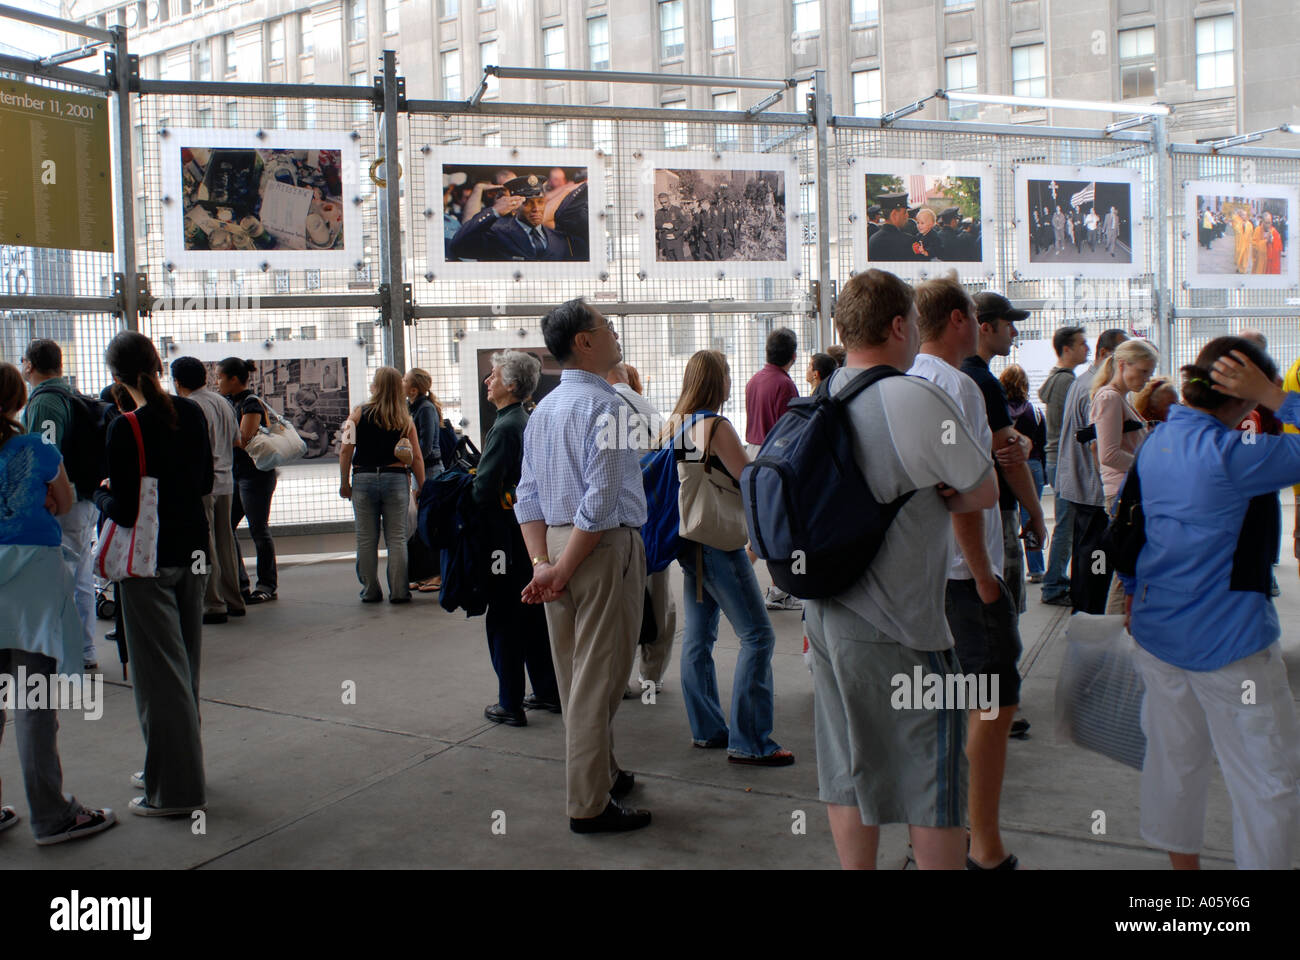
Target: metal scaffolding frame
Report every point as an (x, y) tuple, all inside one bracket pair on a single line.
[(423, 319)]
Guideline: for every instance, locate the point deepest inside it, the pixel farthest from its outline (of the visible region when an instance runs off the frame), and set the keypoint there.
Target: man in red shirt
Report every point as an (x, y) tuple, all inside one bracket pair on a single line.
[(770, 391), (767, 395)]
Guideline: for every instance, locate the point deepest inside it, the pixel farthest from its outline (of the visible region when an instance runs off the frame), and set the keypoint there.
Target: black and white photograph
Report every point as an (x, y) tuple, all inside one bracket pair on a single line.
[(727, 214), (910, 216), (1078, 222), (281, 199), (1240, 236), (505, 212), (476, 412), (311, 388)]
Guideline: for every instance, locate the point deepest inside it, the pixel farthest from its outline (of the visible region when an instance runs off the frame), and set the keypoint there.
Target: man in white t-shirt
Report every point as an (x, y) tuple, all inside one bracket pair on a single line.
[(878, 762), (980, 610), (644, 425)]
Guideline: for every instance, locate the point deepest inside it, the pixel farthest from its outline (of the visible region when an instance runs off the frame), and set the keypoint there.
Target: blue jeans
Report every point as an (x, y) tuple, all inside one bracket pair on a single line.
[(1057, 581), (252, 499), (730, 587), (1034, 558), (376, 497)]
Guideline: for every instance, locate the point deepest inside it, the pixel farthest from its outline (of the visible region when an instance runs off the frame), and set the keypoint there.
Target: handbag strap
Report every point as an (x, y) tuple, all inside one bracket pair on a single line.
[(139, 440), (271, 415), (708, 444)]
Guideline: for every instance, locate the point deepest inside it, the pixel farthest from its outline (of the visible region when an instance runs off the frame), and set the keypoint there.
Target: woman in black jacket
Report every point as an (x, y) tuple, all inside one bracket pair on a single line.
[(516, 631), (162, 616), (1030, 421), (427, 414)]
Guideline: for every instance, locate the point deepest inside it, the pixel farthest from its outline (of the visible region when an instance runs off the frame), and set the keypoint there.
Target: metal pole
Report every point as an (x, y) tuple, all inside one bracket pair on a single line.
[(1164, 207), (126, 264), (821, 113), (615, 76), (390, 223), (55, 23)]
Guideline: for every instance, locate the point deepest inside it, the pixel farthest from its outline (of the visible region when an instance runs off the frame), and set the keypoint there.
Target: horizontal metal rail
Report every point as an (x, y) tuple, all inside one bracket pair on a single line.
[(990, 129), (613, 308), (55, 23), (56, 302), (1226, 313), (34, 68), (223, 88), (1263, 153), (615, 76), (560, 111)]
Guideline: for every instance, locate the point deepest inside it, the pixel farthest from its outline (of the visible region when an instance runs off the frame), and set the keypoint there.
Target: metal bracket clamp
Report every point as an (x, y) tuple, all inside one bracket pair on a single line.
[(132, 66), (379, 94), (144, 299), (391, 308), (408, 305)]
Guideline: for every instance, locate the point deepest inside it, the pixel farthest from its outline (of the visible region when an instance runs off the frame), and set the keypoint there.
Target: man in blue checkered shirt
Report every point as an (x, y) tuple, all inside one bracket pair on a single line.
[(581, 507)]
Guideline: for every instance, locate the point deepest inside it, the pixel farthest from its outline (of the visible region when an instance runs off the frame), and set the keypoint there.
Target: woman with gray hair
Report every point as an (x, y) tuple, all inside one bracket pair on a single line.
[(516, 631)]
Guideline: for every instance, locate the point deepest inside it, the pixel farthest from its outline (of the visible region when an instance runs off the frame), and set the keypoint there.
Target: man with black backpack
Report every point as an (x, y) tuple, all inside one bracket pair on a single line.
[(74, 424), (877, 763)]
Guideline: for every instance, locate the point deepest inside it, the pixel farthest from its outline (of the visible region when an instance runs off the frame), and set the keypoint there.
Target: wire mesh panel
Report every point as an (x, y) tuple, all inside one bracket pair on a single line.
[(81, 336), (1243, 171), (657, 343), (1124, 302)]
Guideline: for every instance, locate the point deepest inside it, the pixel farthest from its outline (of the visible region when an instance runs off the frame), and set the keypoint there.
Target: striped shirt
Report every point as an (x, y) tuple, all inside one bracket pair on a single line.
[(571, 474)]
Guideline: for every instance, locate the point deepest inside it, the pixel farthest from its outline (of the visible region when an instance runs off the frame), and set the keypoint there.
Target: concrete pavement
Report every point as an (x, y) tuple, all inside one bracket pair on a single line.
[(411, 775)]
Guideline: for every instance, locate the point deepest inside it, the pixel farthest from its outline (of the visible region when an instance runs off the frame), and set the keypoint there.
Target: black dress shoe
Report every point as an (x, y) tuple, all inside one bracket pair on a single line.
[(533, 702), (216, 618), (623, 785), (499, 714), (614, 819)]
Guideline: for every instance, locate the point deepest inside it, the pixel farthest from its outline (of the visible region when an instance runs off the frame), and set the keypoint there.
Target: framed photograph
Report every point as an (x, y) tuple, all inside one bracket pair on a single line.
[(1240, 236), (235, 200), (1079, 222), (727, 214), (918, 218), (515, 214), (313, 384), (476, 363)]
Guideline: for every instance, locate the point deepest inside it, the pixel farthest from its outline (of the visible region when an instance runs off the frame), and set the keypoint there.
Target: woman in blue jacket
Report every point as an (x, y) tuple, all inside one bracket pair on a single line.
[(1202, 615)]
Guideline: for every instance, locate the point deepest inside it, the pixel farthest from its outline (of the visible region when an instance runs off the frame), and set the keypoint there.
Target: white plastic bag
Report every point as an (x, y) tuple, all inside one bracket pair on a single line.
[(276, 445), (1099, 690), (123, 553)]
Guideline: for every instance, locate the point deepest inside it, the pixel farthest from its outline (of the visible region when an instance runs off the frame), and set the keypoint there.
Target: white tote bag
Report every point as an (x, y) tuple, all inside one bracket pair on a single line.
[(125, 553), (276, 445), (1099, 690)]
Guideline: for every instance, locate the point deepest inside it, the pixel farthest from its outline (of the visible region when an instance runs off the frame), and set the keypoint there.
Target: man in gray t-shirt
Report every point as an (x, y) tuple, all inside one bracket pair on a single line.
[(882, 755)]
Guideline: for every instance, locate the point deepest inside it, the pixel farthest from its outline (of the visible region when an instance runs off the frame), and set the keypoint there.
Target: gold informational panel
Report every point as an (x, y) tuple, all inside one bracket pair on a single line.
[(55, 156)]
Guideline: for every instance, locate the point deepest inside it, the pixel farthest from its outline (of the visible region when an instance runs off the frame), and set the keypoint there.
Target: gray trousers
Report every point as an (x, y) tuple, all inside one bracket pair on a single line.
[(654, 657), (1013, 562), (163, 619), (38, 749), (223, 593)]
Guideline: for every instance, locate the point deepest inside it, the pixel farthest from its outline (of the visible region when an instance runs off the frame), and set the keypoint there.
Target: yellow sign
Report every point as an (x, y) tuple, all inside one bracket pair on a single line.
[(55, 157)]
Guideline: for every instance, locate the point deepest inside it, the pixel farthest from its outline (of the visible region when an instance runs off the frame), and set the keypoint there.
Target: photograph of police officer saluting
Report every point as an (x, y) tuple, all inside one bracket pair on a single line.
[(514, 225)]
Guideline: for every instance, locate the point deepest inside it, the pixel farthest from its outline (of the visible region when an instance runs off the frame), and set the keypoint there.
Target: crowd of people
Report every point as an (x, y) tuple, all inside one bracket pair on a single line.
[(570, 600)]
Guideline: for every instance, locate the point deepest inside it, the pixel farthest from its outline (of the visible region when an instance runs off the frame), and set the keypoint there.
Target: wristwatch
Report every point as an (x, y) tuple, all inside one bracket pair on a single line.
[(542, 559)]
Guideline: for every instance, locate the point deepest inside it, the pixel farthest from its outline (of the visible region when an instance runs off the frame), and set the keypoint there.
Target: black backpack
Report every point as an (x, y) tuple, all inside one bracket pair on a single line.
[(85, 447), (809, 511)]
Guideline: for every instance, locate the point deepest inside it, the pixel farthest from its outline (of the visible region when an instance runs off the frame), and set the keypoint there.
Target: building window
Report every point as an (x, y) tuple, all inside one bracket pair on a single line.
[(598, 42), (961, 76), (487, 57), (231, 54), (672, 32), (205, 116), (1214, 65), (360, 108), (807, 16), (802, 90), (864, 11), (675, 134), (1137, 62), (163, 12), (450, 60), (602, 135), (356, 20), (492, 139), (392, 19), (553, 48), (309, 114), (304, 33), (205, 60), (724, 24), (557, 133), (866, 93), (727, 135), (451, 8), (1029, 71), (232, 113), (277, 41), (279, 112)]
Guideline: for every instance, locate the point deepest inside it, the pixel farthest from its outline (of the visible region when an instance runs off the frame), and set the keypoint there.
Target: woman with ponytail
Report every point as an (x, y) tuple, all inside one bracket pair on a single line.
[(40, 630), (163, 615), (1201, 612), (253, 487)]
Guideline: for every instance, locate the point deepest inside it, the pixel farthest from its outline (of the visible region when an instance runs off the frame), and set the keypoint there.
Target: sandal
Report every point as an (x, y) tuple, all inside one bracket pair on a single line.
[(259, 596), (8, 817), (782, 758), (432, 585), (1010, 863)]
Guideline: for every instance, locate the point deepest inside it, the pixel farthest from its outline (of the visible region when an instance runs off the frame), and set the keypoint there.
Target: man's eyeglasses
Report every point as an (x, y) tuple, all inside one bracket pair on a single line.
[(607, 325)]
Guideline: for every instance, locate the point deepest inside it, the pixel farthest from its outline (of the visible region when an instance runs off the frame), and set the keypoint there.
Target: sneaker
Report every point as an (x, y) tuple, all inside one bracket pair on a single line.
[(141, 808), (1062, 601), (1035, 578), (137, 779), (8, 817), (784, 602), (87, 822), (91, 665)]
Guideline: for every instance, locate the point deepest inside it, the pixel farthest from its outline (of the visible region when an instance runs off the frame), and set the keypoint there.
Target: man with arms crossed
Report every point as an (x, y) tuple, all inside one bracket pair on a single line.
[(876, 764), (581, 507)]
